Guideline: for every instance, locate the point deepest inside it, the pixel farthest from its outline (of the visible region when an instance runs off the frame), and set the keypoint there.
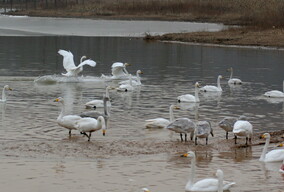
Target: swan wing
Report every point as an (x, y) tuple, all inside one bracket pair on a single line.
[(157, 123), (235, 81), (242, 128), (89, 62), (69, 121), (274, 155), (95, 102), (186, 98), (227, 123), (68, 60), (274, 93), (208, 184), (181, 125), (209, 88), (87, 124)]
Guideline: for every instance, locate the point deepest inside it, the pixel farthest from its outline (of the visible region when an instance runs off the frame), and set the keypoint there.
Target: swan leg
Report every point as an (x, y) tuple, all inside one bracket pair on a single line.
[(69, 132), (195, 140), (83, 133), (227, 134), (206, 140), (246, 141), (185, 137), (191, 135), (181, 137), (89, 137), (235, 139)]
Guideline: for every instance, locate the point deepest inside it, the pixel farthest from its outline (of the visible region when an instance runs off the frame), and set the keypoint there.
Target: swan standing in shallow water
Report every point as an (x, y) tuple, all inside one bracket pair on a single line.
[(211, 88), (88, 124), (228, 123), (4, 97), (96, 103), (208, 184), (182, 126), (67, 121), (202, 130), (275, 93), (161, 122), (189, 97), (69, 65), (136, 82), (232, 80), (243, 128), (272, 156)]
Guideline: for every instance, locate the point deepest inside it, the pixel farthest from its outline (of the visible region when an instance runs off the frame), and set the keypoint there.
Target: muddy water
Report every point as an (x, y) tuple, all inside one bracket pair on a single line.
[(39, 155)]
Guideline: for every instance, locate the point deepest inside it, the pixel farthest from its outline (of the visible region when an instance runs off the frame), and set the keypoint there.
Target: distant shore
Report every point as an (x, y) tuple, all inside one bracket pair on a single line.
[(245, 35)]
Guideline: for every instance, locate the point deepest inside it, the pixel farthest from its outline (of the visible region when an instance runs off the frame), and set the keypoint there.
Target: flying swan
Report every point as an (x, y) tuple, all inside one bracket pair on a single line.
[(208, 184), (69, 65)]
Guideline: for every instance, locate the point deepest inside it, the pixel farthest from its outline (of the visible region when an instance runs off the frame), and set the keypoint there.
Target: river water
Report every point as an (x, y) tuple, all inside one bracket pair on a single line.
[(37, 155)]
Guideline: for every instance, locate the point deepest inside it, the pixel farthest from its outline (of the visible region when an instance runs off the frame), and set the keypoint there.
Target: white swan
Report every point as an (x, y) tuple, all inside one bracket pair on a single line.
[(88, 124), (208, 184), (96, 114), (275, 93), (202, 130), (271, 156), (211, 88), (145, 190), (118, 70), (126, 87), (243, 128), (97, 103), (228, 123), (69, 65), (4, 97), (67, 121), (189, 97), (232, 80), (182, 126), (161, 122), (136, 82)]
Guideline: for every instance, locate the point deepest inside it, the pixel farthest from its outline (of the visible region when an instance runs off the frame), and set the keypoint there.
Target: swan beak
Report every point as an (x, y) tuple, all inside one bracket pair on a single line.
[(263, 136), (184, 155), (127, 64), (141, 72), (280, 145), (104, 132), (56, 100), (176, 107), (10, 89)]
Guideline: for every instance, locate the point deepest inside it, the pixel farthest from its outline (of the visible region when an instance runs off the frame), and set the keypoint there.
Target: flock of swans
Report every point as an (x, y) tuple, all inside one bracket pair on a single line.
[(88, 122)]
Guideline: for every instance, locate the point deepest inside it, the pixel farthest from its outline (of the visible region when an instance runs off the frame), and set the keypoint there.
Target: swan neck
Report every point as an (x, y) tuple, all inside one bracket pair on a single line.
[(218, 83), (3, 95), (105, 107), (196, 94), (231, 76), (107, 92), (192, 174), (130, 80), (138, 78), (62, 111), (262, 157), (171, 114), (220, 183)]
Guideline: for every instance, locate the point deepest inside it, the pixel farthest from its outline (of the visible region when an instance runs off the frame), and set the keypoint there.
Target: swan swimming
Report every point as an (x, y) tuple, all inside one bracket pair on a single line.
[(211, 88), (275, 93), (182, 126), (67, 121), (202, 130), (136, 82), (243, 128), (126, 87), (69, 65), (208, 184), (4, 97), (161, 122), (189, 97), (88, 124), (232, 80), (96, 103), (272, 156)]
